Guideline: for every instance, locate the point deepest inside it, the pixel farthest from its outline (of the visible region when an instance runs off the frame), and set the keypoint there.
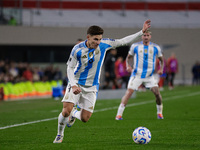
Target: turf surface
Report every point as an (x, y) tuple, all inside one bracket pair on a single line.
[(178, 131)]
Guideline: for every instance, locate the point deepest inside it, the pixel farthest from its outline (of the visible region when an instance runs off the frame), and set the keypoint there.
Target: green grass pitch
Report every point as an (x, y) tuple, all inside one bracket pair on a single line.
[(179, 130)]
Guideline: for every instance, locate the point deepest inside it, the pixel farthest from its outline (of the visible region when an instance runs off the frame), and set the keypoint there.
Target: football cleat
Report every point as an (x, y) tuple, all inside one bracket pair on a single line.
[(71, 118), (58, 139), (118, 117), (160, 116)]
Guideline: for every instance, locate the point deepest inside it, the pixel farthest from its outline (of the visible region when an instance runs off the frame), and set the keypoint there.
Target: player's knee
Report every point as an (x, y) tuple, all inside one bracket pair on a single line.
[(66, 112), (129, 93), (85, 118), (156, 92)]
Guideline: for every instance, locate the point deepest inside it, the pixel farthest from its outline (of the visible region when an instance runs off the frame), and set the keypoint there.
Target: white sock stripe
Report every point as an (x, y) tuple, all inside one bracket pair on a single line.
[(104, 109), (75, 112)]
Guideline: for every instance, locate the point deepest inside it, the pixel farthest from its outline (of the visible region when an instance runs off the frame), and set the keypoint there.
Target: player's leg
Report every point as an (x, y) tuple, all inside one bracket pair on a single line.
[(123, 103), (64, 117), (172, 79), (87, 102), (133, 84), (159, 104), (151, 83), (82, 115)]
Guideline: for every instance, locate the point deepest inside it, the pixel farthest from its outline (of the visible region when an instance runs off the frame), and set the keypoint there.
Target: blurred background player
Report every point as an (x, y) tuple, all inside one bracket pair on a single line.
[(110, 70), (172, 66), (162, 77), (83, 71), (122, 75), (196, 73), (144, 54)]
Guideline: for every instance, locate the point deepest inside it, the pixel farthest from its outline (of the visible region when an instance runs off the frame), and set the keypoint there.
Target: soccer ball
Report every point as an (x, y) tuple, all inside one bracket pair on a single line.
[(141, 135)]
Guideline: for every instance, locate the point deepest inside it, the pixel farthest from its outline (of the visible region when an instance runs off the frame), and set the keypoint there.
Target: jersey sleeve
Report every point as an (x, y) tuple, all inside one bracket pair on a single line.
[(159, 51), (128, 39), (123, 41), (132, 49), (72, 61)]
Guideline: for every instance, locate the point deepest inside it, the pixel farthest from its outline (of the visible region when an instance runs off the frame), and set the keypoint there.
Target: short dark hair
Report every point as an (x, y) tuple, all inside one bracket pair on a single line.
[(95, 30)]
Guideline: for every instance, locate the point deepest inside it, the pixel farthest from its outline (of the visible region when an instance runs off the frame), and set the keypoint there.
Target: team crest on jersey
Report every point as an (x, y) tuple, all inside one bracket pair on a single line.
[(145, 50), (84, 56), (151, 51), (90, 54), (96, 51)]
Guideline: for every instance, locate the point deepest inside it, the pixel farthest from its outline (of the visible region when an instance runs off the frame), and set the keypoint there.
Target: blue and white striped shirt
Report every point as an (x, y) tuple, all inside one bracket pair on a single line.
[(87, 62), (144, 58)]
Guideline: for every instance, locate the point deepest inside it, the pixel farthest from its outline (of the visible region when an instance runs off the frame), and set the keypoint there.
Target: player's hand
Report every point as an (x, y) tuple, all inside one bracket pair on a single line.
[(76, 90), (129, 68), (160, 72), (146, 25)]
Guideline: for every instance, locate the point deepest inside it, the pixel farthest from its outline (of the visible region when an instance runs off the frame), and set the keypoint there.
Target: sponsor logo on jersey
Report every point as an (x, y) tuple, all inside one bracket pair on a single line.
[(145, 50), (84, 56)]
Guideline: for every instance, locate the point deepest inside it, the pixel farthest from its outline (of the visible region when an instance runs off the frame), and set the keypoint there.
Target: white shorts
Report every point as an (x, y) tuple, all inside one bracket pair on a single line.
[(85, 100), (135, 82)]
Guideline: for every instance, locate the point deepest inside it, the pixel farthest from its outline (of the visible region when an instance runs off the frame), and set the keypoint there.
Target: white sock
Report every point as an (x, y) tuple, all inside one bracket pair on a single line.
[(159, 109), (121, 109), (77, 114), (62, 122)]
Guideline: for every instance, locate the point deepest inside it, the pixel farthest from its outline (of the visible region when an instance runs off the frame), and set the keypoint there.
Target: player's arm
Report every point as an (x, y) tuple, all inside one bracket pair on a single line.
[(134, 37), (161, 59), (70, 73), (160, 71), (129, 63)]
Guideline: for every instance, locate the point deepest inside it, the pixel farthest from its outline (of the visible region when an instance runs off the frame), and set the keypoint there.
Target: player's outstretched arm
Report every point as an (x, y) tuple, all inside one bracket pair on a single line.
[(134, 37), (146, 25)]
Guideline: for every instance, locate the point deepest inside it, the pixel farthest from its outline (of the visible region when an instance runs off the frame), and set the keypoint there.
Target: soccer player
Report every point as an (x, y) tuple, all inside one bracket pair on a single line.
[(144, 56), (172, 64), (83, 70)]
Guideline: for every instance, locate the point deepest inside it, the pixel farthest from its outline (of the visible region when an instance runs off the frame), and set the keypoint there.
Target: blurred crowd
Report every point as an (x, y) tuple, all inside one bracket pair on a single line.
[(116, 75), (11, 71)]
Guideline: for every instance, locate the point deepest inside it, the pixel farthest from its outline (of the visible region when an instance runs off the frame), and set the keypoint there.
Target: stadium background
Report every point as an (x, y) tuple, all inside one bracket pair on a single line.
[(48, 29)]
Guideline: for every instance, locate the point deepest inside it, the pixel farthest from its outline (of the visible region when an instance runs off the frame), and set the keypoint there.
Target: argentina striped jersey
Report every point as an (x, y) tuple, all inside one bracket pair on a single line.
[(88, 62), (144, 58)]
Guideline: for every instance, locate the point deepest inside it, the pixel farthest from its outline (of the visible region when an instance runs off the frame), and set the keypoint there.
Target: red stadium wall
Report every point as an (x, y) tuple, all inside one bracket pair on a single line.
[(105, 5)]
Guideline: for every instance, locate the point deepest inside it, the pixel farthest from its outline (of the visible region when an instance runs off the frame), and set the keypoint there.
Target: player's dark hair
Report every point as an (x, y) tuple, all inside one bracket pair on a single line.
[(95, 30)]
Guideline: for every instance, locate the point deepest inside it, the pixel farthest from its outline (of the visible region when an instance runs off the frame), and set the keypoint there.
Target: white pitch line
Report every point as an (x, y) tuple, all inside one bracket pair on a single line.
[(104, 109), (22, 124)]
